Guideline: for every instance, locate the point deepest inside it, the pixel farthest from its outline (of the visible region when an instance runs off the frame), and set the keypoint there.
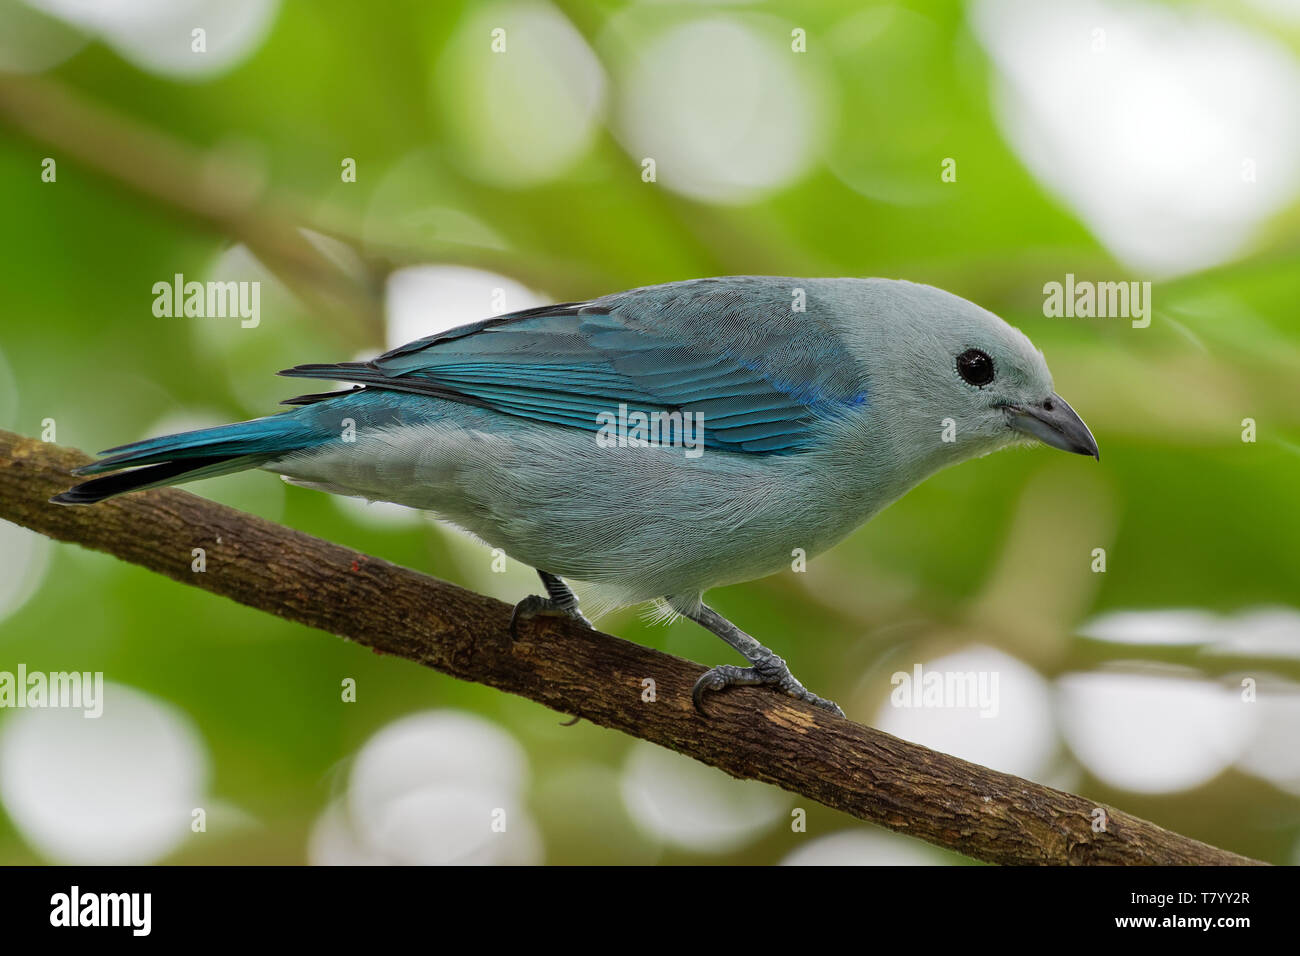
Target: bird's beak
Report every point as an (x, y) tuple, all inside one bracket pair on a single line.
[(1054, 423)]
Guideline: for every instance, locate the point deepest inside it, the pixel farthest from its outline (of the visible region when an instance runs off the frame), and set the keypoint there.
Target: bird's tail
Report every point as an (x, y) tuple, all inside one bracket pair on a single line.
[(173, 459)]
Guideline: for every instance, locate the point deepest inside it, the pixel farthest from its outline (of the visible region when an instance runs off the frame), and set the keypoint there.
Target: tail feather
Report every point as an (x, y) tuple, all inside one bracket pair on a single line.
[(172, 459), (272, 434), (151, 476)]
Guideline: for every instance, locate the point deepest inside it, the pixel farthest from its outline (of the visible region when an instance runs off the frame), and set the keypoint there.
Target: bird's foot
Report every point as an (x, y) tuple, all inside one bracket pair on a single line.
[(537, 606), (771, 671)]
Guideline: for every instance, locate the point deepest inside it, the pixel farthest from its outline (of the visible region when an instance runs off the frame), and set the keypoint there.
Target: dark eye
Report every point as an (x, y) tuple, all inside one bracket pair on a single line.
[(975, 367)]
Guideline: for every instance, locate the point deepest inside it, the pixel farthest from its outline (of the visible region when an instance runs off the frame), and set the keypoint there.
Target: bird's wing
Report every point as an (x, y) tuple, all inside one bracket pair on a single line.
[(759, 382)]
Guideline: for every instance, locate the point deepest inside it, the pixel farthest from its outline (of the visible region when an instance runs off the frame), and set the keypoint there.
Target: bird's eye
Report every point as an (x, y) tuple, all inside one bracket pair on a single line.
[(975, 367)]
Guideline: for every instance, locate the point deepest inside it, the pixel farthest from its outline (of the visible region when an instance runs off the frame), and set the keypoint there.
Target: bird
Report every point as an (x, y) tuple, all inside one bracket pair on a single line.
[(655, 443)]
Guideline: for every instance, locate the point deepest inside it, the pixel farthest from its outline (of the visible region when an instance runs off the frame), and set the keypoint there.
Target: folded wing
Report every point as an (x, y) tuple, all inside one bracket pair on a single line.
[(567, 364)]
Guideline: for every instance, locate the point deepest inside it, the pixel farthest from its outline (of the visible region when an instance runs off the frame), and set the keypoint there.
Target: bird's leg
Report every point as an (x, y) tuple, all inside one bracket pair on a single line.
[(766, 667), (561, 603)]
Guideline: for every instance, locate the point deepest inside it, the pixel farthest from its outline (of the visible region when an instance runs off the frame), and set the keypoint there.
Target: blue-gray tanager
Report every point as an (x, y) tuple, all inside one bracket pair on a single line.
[(658, 442)]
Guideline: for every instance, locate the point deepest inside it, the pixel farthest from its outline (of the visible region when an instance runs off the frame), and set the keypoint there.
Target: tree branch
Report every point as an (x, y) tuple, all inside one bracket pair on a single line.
[(751, 733)]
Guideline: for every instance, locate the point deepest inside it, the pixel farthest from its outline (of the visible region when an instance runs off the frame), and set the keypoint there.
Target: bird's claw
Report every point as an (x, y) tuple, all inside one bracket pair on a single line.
[(771, 671), (537, 606)]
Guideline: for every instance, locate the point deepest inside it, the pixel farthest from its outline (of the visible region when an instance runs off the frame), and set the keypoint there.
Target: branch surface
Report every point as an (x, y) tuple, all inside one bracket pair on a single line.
[(751, 733)]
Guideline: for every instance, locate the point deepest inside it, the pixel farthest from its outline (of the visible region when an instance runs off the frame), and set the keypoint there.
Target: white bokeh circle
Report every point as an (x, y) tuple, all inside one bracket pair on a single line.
[(1173, 133), (1019, 736), (693, 806), (721, 109), (432, 788), (1153, 733), (117, 789)]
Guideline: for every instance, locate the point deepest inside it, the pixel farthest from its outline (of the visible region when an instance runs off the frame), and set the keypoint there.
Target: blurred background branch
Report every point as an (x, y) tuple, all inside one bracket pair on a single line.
[(185, 181), (225, 198)]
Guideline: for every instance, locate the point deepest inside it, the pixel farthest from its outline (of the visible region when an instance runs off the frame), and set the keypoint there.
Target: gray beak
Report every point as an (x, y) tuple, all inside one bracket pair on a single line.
[(1054, 423)]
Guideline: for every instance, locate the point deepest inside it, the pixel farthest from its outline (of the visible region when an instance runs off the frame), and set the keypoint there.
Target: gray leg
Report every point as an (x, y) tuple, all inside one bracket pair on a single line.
[(765, 666), (561, 603)]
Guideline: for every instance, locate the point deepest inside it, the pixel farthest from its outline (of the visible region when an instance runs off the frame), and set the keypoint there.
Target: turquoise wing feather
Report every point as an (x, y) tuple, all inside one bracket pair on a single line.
[(760, 376)]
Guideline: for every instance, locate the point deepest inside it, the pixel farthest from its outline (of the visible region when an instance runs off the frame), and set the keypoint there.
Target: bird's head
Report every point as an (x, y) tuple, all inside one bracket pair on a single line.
[(956, 381)]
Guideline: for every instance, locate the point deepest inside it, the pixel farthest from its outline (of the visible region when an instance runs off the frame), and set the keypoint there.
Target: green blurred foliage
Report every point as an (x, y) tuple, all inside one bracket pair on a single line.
[(1189, 514)]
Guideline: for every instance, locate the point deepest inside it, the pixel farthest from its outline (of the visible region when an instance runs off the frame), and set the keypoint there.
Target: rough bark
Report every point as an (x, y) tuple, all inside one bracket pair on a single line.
[(750, 732)]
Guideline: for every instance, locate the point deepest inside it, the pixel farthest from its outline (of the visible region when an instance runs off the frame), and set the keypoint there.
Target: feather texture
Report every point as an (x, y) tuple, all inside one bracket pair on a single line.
[(699, 348)]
